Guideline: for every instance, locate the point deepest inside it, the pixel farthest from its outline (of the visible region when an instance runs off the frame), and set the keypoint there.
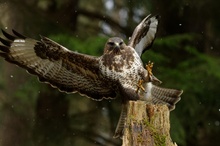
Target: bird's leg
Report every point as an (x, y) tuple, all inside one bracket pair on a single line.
[(150, 77), (140, 86), (149, 68)]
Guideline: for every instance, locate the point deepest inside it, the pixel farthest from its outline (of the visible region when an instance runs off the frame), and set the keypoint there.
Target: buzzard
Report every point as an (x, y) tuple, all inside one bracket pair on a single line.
[(119, 71)]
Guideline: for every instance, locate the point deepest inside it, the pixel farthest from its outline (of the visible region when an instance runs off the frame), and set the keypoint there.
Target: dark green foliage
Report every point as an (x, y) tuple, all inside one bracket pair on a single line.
[(179, 65), (182, 59), (198, 75), (91, 45)]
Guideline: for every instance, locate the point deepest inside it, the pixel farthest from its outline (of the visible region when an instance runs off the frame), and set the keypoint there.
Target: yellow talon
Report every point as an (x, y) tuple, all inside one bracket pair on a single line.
[(149, 68), (140, 86)]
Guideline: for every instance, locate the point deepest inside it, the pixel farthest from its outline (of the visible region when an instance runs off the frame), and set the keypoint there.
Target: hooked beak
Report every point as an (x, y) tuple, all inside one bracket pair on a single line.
[(117, 46)]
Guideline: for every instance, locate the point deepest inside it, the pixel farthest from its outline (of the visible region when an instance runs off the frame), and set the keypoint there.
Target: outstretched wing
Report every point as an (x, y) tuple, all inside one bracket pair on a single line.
[(144, 34), (54, 64)]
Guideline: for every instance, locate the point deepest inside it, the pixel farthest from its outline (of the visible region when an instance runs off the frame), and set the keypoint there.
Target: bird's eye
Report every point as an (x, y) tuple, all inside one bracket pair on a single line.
[(120, 43), (111, 43)]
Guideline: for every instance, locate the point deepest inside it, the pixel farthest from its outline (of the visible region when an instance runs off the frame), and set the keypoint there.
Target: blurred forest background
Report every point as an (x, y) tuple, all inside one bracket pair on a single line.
[(185, 52)]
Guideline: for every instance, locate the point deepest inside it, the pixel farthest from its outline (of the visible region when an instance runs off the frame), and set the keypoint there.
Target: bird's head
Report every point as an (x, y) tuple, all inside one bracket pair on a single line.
[(114, 45)]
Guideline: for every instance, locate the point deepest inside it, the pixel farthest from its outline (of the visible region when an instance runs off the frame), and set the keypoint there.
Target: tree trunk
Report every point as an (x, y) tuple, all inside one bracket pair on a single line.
[(147, 125)]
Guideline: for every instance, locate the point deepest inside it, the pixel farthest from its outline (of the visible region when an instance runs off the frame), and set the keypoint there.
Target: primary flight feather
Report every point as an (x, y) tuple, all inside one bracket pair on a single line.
[(119, 71)]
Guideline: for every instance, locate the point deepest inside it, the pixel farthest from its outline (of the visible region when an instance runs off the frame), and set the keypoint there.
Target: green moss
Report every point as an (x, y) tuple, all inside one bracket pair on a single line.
[(140, 138), (159, 139)]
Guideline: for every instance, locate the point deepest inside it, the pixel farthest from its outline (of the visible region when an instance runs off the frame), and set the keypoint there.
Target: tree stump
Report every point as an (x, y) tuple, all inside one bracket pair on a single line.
[(147, 125)]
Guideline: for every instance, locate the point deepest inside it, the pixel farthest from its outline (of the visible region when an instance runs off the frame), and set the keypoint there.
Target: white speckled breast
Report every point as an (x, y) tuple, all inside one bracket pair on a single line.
[(123, 67)]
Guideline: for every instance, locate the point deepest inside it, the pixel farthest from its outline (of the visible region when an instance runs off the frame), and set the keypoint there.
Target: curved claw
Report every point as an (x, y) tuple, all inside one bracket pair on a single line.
[(140, 86), (149, 68)]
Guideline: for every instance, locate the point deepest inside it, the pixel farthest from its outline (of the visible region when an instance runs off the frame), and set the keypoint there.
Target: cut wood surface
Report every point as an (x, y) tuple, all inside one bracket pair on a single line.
[(147, 125)]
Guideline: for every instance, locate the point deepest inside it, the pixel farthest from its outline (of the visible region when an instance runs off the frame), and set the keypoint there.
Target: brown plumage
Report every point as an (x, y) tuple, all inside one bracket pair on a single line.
[(116, 72), (144, 34), (52, 63)]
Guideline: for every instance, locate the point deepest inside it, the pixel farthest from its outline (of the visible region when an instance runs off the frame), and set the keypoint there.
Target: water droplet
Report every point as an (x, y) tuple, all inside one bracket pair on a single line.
[(217, 123), (109, 4)]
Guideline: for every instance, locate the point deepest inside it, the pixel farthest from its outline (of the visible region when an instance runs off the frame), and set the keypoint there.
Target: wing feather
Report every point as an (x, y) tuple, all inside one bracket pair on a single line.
[(144, 34), (54, 64)]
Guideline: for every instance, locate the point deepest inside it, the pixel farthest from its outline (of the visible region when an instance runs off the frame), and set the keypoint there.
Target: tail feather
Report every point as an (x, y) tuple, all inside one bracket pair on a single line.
[(159, 95), (153, 94), (121, 122)]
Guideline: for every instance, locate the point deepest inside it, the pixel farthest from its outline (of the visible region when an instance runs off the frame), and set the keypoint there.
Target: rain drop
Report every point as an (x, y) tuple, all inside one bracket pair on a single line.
[(109, 4), (217, 123)]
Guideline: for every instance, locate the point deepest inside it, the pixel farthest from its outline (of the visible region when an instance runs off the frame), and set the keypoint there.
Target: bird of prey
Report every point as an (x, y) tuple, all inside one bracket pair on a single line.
[(119, 71)]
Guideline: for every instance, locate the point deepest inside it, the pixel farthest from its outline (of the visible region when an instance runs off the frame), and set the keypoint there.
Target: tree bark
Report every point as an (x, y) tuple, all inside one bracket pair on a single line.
[(147, 125)]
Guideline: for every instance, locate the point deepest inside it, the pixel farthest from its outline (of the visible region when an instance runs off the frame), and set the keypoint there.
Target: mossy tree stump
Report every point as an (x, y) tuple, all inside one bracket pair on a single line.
[(147, 125)]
